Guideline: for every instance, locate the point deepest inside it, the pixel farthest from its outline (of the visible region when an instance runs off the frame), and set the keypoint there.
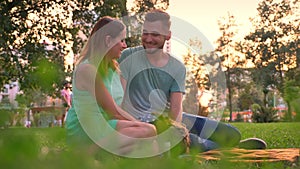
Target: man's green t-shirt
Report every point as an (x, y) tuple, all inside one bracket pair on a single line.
[(149, 87)]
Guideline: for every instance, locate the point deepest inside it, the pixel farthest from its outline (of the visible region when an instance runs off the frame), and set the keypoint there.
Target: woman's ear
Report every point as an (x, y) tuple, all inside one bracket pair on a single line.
[(108, 40)]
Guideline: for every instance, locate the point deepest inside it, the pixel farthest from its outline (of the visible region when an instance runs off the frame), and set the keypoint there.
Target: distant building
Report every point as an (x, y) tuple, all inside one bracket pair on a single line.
[(9, 93)]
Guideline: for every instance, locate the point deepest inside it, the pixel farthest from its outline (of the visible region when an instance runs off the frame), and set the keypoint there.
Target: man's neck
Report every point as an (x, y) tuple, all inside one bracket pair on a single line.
[(158, 59)]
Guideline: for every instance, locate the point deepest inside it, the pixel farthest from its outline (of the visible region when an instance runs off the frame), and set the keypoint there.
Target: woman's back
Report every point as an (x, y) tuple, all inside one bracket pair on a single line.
[(86, 118)]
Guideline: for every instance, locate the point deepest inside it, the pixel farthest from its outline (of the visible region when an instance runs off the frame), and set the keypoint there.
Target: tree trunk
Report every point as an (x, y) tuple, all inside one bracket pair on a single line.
[(229, 93)]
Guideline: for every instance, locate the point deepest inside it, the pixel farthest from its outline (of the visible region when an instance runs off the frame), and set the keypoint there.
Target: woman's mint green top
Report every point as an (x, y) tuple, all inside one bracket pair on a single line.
[(86, 120)]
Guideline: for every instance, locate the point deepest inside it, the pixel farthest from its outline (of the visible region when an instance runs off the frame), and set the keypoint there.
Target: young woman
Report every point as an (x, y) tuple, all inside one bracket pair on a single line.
[(95, 116)]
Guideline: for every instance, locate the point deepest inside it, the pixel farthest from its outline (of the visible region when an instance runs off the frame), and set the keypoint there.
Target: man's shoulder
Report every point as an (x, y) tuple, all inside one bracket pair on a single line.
[(134, 49), (129, 51), (176, 62)]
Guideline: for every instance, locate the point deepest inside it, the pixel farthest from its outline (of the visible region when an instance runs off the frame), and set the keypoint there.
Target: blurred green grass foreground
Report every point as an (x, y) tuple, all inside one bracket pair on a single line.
[(46, 148)]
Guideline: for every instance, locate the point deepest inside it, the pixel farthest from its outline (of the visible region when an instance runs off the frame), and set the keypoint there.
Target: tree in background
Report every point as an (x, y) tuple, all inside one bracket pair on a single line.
[(86, 12), (292, 95), (197, 81), (41, 40), (23, 50), (273, 44), (262, 114), (142, 6), (38, 39), (230, 58), (251, 94), (203, 77)]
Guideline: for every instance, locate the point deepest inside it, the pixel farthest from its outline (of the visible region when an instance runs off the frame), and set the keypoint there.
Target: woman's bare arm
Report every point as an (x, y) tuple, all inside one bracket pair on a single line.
[(87, 79)]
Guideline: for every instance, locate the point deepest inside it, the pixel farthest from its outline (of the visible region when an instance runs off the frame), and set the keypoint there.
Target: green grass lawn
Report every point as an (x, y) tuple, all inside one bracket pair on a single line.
[(45, 148), (276, 135)]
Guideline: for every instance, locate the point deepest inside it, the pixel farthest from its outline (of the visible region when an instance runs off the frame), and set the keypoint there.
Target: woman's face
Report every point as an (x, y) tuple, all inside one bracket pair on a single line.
[(119, 45)]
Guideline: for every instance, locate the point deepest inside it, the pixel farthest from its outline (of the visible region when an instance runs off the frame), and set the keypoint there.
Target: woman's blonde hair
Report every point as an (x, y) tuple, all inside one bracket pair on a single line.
[(96, 47)]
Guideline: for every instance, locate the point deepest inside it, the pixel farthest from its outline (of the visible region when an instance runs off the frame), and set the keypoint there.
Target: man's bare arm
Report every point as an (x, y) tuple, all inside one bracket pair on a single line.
[(176, 106)]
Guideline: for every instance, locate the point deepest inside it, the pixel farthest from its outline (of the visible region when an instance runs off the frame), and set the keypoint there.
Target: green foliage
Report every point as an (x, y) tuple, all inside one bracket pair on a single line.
[(292, 97), (36, 36), (34, 95), (225, 49), (5, 115), (276, 135), (22, 36), (11, 117), (272, 46), (273, 57), (245, 101), (296, 107), (146, 5), (262, 114), (239, 118), (84, 16), (46, 148), (45, 76)]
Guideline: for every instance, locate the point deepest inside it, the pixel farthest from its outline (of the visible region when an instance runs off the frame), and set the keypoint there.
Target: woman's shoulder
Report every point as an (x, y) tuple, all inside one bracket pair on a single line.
[(85, 68), (84, 73)]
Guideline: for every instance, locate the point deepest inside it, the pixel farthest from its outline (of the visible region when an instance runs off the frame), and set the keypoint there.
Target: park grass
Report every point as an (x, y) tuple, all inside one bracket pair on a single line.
[(276, 135), (46, 148)]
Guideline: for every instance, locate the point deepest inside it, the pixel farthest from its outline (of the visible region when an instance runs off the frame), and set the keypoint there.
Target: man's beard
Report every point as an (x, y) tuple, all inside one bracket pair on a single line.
[(153, 50)]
